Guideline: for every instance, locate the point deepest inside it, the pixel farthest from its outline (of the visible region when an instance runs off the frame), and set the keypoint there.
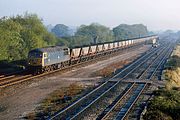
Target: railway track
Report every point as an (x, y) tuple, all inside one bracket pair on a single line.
[(121, 107), (160, 68), (123, 103), (9, 75), (151, 75), (14, 78), (6, 77), (152, 68), (74, 110)]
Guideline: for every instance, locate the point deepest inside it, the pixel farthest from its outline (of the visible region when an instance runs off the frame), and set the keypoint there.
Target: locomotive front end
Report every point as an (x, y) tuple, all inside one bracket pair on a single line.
[(35, 58)]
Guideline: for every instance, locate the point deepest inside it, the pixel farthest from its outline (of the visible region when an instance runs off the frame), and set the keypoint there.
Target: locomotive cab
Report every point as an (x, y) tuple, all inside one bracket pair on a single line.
[(35, 58)]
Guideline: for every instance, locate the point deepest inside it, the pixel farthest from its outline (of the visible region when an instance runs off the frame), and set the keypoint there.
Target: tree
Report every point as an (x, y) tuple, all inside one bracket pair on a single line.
[(20, 34), (124, 31), (61, 30), (10, 38), (88, 33)]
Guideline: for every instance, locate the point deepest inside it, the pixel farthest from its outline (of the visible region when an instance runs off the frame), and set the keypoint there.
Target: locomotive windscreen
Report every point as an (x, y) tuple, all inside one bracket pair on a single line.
[(35, 54)]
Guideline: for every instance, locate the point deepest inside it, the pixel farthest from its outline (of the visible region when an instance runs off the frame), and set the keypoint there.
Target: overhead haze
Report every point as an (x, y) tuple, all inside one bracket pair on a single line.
[(156, 14)]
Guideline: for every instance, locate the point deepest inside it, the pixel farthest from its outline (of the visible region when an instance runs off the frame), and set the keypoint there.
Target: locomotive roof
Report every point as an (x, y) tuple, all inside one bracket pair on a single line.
[(50, 49)]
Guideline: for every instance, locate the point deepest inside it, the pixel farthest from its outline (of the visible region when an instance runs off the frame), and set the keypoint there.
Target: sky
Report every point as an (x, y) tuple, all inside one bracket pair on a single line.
[(155, 14)]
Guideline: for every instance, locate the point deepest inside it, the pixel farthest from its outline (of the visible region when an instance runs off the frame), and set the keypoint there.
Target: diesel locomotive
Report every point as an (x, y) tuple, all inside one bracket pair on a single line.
[(46, 59)]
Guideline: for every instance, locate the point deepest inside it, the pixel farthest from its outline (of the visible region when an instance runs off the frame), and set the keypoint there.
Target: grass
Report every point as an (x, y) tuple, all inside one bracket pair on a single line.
[(172, 70), (56, 101), (172, 77), (165, 105)]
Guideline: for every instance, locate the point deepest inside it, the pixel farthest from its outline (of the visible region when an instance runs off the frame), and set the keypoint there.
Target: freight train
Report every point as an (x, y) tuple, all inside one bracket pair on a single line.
[(46, 59)]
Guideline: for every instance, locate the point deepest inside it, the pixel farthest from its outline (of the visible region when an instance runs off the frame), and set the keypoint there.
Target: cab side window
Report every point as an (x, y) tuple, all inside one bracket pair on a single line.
[(66, 52), (45, 55)]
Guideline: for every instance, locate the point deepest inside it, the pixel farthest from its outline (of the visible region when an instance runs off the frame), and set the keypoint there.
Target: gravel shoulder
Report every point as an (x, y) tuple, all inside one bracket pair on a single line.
[(18, 102)]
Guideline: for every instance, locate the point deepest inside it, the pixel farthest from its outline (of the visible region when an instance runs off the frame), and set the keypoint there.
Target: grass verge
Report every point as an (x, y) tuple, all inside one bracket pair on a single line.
[(172, 70), (165, 104), (57, 100)]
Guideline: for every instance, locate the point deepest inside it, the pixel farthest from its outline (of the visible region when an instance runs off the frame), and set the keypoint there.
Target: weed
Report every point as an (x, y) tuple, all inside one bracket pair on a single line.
[(56, 101)]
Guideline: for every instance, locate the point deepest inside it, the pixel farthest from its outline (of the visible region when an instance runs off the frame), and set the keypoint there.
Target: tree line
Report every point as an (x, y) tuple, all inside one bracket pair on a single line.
[(22, 33), (87, 34)]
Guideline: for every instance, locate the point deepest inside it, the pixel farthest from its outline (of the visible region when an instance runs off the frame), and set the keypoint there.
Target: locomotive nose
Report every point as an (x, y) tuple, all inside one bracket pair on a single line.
[(35, 62)]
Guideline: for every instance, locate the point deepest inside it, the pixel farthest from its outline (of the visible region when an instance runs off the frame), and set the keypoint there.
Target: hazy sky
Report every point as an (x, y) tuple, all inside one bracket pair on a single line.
[(155, 14)]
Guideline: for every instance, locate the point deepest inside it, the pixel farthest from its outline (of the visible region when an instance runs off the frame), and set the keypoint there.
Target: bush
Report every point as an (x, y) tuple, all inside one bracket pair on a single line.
[(156, 115), (165, 104)]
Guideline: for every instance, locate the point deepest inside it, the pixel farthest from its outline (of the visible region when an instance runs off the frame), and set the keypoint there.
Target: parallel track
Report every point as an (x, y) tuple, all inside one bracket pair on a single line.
[(12, 79), (121, 107), (78, 107), (136, 111), (125, 102)]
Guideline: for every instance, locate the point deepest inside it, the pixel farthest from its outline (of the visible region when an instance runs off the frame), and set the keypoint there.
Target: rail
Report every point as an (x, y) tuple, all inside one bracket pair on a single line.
[(148, 55)]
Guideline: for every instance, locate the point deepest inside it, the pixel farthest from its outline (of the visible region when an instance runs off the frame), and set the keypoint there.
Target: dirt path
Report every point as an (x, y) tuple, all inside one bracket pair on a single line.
[(24, 100)]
